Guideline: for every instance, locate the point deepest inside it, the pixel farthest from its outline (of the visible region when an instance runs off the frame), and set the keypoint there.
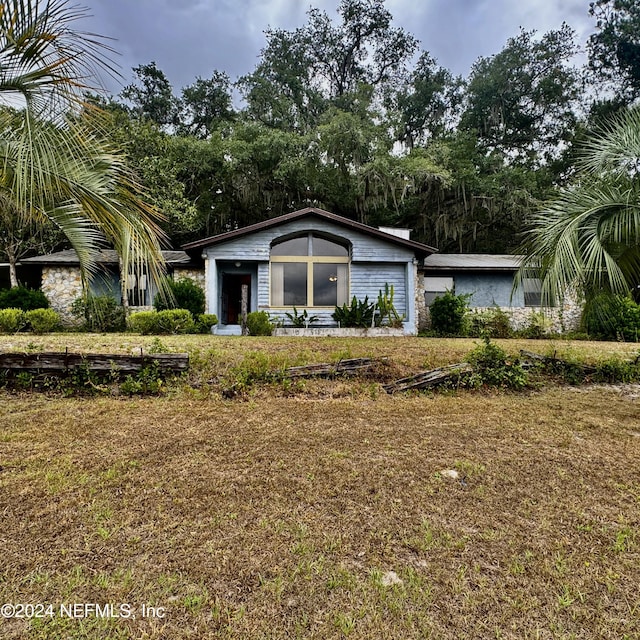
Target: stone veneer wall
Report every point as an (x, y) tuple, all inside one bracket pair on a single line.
[(422, 312), (62, 285), (558, 319), (563, 318)]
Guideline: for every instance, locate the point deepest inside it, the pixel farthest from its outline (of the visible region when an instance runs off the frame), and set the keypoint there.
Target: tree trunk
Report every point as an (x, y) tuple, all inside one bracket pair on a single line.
[(13, 272), (124, 292)]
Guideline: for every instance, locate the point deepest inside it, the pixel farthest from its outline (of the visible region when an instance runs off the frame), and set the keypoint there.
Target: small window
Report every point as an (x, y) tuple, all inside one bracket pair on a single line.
[(435, 287), (532, 292), (137, 290)]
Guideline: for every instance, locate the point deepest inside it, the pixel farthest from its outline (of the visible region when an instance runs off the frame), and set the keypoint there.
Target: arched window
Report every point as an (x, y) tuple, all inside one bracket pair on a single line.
[(309, 271)]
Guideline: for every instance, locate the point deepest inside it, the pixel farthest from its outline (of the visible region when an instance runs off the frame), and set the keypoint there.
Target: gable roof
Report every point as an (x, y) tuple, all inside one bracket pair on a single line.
[(420, 249), (106, 257), (472, 262)]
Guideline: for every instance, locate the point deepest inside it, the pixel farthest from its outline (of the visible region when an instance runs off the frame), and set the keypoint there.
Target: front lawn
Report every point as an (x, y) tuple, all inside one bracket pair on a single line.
[(325, 511)]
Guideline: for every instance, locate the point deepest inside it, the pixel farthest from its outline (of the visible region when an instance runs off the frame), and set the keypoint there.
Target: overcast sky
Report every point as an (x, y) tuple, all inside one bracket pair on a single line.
[(191, 38)]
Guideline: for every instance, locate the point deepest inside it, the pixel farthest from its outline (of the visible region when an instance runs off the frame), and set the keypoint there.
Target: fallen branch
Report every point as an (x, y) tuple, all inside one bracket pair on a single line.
[(428, 379)]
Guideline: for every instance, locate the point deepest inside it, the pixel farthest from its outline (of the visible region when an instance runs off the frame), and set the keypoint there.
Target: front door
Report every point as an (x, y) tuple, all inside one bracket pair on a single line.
[(231, 307)]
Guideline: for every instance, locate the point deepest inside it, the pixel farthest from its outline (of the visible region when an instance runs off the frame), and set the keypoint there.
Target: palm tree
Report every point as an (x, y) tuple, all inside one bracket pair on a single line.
[(589, 237), (55, 163)]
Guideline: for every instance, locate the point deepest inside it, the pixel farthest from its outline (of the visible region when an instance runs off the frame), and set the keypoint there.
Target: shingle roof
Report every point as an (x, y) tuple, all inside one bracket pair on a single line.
[(418, 247), (106, 257), (472, 262)]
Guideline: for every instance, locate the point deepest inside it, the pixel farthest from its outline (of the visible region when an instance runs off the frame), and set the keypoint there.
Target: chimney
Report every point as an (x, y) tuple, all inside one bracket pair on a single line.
[(393, 231)]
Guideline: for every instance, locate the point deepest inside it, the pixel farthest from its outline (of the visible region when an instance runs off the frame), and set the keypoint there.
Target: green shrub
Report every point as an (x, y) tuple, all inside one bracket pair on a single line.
[(493, 369), (42, 320), (259, 324), (494, 323), (358, 314), (205, 322), (11, 320), (100, 314), (537, 327), (301, 320), (175, 321), (144, 322), (169, 321), (617, 370), (23, 298), (612, 318), (448, 313), (187, 295)]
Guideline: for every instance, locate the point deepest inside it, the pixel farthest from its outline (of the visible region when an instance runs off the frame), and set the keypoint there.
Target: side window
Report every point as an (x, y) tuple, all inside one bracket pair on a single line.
[(532, 292), (436, 286)]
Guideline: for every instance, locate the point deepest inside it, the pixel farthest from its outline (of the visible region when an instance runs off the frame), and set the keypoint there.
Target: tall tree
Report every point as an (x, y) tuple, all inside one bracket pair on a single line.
[(151, 96), (363, 49), (522, 101), (205, 105), (614, 50), (281, 91), (426, 106), (322, 64), (55, 165)]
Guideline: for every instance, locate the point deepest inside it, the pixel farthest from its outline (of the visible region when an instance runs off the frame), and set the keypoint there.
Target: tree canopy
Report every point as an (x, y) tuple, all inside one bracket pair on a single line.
[(349, 113)]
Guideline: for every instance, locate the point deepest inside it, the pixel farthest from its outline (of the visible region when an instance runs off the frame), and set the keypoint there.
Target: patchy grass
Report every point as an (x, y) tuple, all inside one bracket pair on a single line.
[(220, 362), (326, 514)]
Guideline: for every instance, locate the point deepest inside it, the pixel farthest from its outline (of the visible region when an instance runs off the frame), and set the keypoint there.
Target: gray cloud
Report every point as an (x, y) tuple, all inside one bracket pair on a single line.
[(191, 38)]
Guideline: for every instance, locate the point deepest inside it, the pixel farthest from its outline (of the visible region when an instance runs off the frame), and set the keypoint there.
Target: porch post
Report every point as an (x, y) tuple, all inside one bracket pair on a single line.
[(244, 304), (410, 322)]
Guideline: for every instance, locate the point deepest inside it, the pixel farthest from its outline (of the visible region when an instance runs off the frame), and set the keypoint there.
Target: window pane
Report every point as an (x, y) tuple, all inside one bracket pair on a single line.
[(438, 284), (295, 283), (326, 280), (532, 292), (322, 247), (292, 247)]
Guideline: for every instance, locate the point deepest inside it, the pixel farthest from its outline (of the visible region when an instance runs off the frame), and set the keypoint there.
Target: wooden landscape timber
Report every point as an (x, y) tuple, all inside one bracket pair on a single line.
[(558, 363), (63, 362), (328, 369), (429, 379)]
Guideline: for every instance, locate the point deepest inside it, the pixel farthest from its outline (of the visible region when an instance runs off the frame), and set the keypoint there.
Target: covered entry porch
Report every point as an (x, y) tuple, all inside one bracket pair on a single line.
[(234, 281)]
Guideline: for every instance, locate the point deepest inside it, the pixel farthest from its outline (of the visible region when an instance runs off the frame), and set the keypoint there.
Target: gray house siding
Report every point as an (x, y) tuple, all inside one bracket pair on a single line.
[(256, 247), (365, 281)]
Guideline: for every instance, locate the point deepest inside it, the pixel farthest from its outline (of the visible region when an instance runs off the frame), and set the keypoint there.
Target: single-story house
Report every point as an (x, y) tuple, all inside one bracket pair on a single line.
[(311, 259), (314, 260), (61, 282), (489, 281)]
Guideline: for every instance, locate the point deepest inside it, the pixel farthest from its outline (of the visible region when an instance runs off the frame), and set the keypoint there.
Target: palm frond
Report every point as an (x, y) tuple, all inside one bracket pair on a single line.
[(578, 239), (54, 161), (45, 59), (615, 147)]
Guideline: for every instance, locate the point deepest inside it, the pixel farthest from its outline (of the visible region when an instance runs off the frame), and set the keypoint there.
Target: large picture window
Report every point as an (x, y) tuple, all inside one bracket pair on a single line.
[(309, 271)]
